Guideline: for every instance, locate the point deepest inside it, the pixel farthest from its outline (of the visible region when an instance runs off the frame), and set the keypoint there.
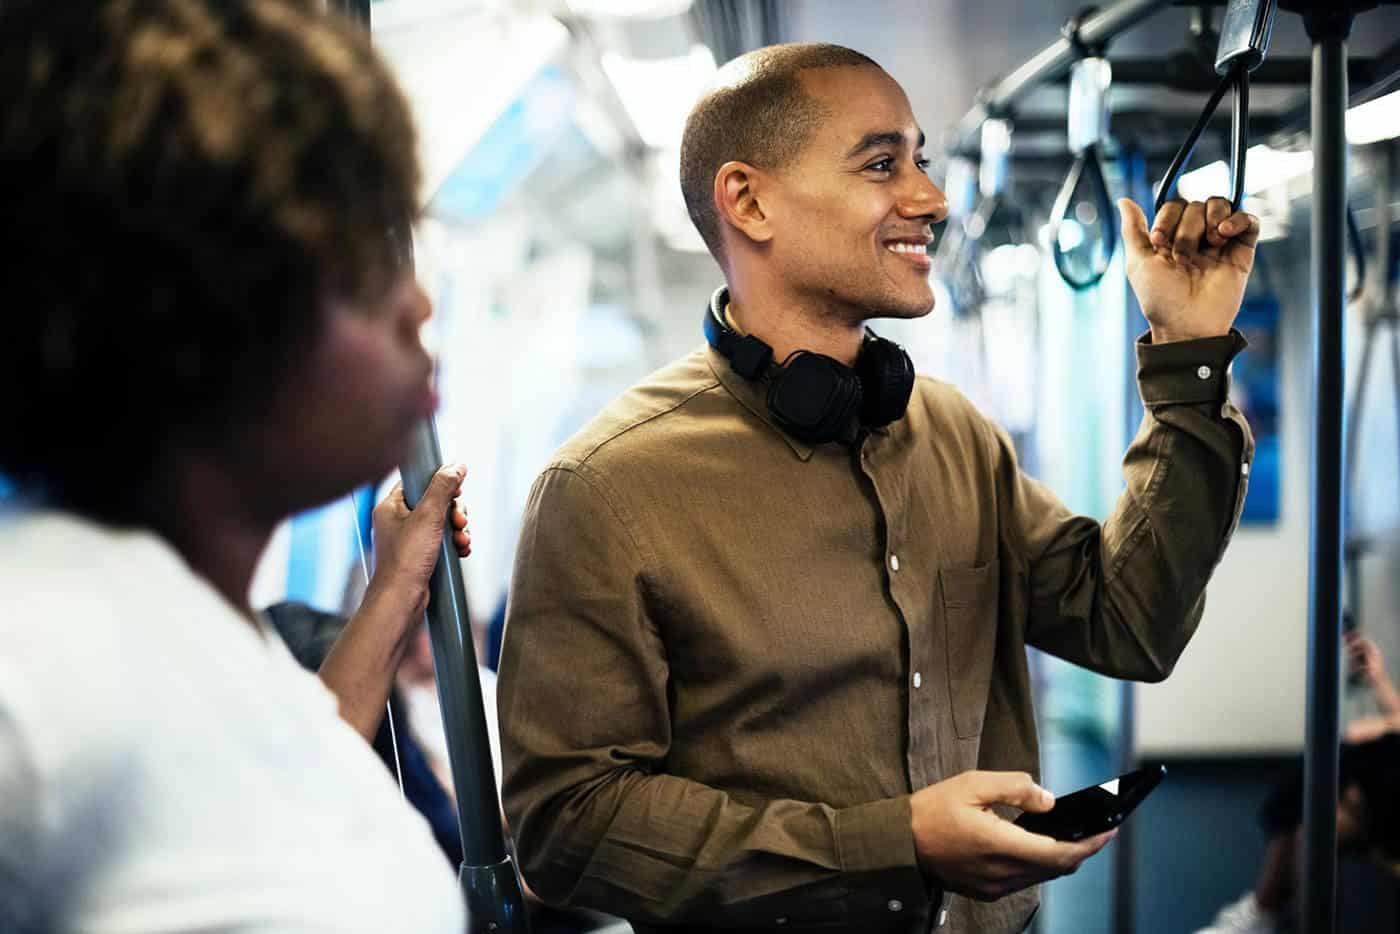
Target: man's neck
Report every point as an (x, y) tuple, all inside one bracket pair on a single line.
[(788, 324), (210, 523)]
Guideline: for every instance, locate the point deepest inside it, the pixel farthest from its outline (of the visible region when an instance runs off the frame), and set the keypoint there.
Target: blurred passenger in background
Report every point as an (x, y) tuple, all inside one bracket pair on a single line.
[(312, 636), (1368, 814), (207, 327), (765, 657), (1368, 668)]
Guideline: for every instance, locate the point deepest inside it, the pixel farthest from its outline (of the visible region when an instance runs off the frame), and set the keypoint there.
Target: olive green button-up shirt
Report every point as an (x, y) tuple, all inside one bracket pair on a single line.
[(730, 657)]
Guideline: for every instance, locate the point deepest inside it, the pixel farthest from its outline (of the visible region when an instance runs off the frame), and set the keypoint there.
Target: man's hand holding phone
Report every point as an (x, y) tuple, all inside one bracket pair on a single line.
[(966, 846)]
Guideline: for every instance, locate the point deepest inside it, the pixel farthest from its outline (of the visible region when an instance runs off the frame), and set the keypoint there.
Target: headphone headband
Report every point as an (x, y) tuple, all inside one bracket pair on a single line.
[(747, 355)]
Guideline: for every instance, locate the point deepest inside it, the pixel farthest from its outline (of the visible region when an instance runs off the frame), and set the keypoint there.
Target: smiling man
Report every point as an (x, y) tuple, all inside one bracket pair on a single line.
[(764, 665)]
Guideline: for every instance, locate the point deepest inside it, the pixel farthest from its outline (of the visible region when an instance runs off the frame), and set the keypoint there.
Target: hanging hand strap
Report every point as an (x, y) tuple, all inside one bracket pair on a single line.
[(1238, 79)]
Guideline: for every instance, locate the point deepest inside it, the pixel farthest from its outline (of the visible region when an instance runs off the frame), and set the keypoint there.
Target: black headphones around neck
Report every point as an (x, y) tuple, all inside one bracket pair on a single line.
[(811, 396)]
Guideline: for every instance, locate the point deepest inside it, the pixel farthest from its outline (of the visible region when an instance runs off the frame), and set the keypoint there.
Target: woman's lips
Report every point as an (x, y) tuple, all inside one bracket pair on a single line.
[(428, 401)]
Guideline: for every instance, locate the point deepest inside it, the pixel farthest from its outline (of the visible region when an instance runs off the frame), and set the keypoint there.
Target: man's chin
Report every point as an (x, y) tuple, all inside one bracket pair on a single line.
[(903, 307)]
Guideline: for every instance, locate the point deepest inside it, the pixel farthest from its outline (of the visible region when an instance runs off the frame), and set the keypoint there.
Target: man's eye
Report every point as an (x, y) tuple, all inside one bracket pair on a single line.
[(923, 164), (884, 165)]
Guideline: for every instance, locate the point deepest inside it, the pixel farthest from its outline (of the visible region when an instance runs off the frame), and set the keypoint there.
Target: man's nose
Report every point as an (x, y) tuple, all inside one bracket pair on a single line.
[(925, 199)]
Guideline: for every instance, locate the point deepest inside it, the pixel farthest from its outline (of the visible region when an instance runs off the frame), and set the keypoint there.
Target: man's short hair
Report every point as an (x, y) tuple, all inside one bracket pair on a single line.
[(755, 112), (185, 182)]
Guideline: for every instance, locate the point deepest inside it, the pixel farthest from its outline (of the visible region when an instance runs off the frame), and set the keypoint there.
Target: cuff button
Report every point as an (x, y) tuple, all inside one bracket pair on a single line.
[(895, 905), (1203, 373)]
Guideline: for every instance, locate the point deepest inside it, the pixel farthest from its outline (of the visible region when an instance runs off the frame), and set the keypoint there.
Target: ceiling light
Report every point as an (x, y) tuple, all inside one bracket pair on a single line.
[(628, 9), (1374, 120), (495, 56), (1264, 168), (658, 93)]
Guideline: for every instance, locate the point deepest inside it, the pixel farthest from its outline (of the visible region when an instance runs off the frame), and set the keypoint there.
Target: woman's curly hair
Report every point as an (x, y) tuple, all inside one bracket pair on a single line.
[(184, 183)]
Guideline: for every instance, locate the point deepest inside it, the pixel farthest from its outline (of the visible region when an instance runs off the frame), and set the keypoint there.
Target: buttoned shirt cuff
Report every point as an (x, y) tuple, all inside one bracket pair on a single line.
[(1186, 372), (874, 836), (879, 837)]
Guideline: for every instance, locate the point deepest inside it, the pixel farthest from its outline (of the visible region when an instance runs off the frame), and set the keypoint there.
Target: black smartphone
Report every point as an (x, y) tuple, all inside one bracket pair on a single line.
[(1094, 810)]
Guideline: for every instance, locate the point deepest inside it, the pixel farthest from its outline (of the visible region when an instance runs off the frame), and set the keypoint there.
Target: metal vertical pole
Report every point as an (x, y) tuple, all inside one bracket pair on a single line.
[(492, 890), (1124, 853), (494, 901), (1138, 186), (1329, 30), (459, 685)]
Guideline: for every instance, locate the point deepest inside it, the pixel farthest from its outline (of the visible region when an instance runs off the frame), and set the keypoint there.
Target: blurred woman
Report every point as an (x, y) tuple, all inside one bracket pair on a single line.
[(207, 327)]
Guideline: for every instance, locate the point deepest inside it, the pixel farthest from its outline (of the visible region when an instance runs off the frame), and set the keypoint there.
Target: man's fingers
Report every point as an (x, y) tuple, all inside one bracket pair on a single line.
[(1049, 856), (1243, 232), (1017, 789), (1164, 226), (1217, 211), (1242, 228), (1078, 852), (1190, 231), (1134, 226), (1058, 856), (1093, 845)]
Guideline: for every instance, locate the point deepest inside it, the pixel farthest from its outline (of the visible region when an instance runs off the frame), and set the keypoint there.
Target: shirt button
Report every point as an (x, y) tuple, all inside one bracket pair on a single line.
[(894, 562), (1244, 468), (895, 905), (918, 680), (1203, 372)]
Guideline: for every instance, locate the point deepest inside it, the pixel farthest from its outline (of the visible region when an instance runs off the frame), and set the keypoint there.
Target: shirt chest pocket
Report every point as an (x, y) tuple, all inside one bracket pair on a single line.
[(970, 598)]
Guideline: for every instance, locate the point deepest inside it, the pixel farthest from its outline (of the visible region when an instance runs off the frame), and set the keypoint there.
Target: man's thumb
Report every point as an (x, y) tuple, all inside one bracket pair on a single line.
[(1134, 226), (1014, 788)]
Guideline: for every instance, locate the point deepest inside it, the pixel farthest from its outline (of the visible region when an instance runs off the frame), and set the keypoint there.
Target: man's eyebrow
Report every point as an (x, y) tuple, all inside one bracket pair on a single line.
[(881, 138)]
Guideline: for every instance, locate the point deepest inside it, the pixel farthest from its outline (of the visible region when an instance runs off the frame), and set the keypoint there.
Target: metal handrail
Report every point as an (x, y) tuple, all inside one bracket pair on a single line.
[(1050, 63)]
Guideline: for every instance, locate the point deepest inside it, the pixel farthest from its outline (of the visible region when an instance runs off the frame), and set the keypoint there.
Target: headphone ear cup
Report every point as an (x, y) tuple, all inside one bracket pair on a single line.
[(887, 380), (814, 398)]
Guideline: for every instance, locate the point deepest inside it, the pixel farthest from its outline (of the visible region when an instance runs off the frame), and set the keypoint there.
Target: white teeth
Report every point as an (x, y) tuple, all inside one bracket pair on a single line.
[(906, 248)]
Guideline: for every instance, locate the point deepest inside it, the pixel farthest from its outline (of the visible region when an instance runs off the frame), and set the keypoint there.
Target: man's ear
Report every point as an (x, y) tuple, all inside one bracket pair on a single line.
[(739, 201)]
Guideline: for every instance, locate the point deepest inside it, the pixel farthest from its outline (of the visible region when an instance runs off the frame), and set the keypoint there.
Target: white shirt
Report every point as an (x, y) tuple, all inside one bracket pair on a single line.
[(166, 768)]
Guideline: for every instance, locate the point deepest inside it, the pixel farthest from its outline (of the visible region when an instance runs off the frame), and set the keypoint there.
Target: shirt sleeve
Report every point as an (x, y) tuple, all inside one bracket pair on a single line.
[(586, 727), (1123, 598)]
